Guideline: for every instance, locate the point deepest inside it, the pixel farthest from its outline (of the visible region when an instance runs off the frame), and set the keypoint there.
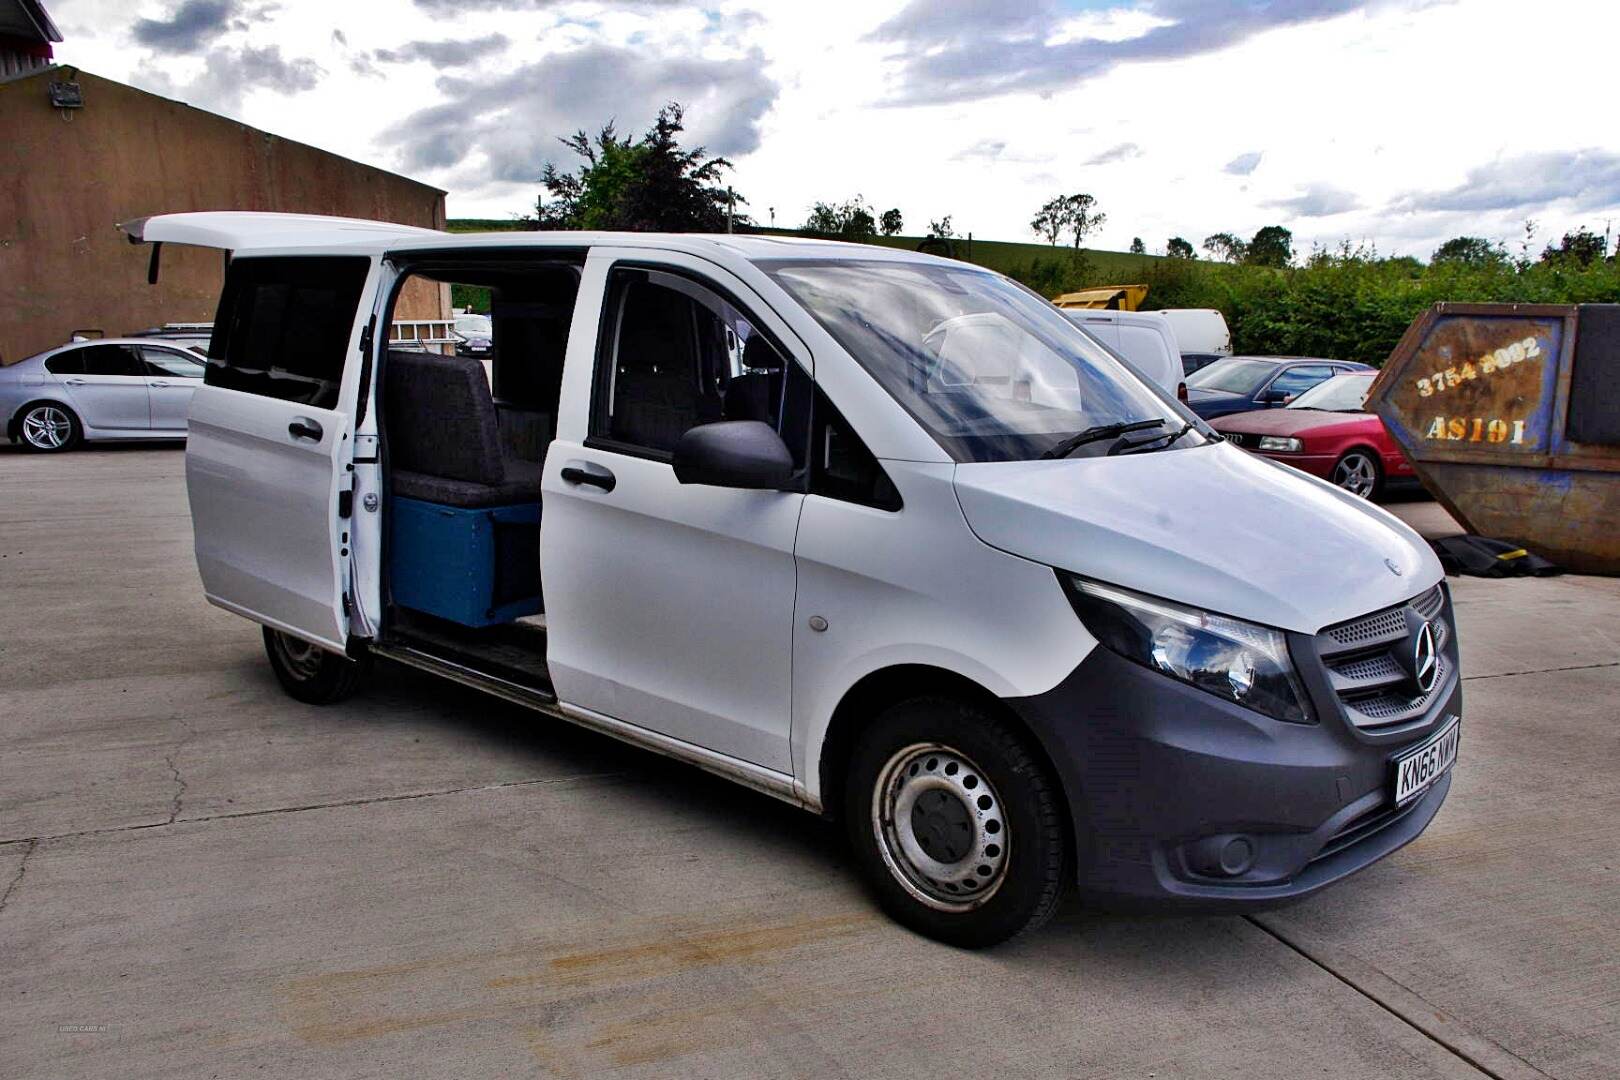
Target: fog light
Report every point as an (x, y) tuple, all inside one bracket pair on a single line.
[(1223, 856)]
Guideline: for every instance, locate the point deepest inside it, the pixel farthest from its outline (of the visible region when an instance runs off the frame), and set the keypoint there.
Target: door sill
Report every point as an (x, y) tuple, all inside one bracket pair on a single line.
[(769, 781)]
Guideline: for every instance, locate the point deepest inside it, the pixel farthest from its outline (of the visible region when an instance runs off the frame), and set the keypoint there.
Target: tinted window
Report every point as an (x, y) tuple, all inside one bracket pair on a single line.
[(1342, 393), (1298, 379), (66, 363), (1232, 375), (990, 370), (283, 327), (677, 354), (168, 362), (841, 466), (96, 360)]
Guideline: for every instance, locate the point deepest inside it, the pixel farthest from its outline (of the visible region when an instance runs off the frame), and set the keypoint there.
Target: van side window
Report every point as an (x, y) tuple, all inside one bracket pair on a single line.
[(675, 354), (283, 327), (842, 467)]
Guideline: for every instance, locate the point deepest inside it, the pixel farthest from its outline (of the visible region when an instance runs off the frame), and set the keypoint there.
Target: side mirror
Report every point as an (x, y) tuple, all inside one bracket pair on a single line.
[(734, 454), (1274, 397)]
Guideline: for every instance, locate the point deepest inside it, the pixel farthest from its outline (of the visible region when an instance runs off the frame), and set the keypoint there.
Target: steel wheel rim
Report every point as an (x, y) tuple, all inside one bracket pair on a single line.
[(940, 827), (47, 427), (1356, 474), (300, 657)]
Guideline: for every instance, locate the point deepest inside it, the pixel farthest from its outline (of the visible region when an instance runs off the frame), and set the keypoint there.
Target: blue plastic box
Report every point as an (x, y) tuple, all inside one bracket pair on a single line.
[(474, 567)]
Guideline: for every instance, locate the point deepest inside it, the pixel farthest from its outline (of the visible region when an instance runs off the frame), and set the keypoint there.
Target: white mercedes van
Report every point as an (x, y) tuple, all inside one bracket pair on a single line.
[(879, 534)]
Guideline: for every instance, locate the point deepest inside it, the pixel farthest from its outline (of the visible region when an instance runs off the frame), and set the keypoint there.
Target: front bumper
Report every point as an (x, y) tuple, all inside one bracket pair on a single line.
[(1156, 770)]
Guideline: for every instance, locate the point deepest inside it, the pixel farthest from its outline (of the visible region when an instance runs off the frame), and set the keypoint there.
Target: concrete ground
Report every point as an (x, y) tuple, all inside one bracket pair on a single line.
[(201, 877)]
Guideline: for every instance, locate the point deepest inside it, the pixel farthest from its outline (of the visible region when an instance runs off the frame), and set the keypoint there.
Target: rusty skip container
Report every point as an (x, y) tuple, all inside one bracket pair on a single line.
[(1510, 414)]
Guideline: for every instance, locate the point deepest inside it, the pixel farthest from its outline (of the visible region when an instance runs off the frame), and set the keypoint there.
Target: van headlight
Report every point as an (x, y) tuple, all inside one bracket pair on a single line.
[(1280, 444), (1239, 661)]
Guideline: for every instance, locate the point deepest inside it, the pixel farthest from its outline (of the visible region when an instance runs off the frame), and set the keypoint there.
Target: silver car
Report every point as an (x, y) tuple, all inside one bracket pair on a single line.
[(110, 388)]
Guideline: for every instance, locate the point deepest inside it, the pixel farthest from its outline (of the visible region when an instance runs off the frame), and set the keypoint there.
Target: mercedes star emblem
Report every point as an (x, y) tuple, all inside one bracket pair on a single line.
[(1425, 661)]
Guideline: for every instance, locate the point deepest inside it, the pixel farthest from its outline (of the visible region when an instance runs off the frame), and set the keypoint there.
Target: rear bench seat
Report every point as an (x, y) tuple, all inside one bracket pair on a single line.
[(464, 515)]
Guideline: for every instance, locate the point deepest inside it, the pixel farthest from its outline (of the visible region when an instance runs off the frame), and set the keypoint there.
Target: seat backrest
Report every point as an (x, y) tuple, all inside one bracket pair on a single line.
[(441, 419)]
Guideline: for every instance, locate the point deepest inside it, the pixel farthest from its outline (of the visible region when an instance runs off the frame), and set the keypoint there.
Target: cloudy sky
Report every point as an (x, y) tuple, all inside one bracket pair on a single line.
[(1399, 122)]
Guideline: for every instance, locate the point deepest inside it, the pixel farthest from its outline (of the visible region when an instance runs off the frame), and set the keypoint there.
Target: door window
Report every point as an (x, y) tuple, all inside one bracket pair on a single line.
[(168, 363), (678, 354), (283, 327), (96, 360), (1297, 380)]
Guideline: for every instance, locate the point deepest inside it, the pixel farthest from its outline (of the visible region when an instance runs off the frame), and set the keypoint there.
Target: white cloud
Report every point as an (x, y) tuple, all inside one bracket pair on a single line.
[(1335, 118)]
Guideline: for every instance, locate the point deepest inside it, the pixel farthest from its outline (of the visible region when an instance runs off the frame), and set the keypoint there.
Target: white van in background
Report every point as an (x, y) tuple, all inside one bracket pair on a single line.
[(1145, 338), (1200, 330)]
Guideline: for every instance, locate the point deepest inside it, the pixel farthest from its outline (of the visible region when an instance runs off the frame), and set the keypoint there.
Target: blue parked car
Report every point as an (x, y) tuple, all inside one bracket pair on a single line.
[(1243, 383)]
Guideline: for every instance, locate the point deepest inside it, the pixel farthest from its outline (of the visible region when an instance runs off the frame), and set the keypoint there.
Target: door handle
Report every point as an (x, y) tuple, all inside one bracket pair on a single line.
[(303, 427), (589, 474), (73, 382), (158, 385)]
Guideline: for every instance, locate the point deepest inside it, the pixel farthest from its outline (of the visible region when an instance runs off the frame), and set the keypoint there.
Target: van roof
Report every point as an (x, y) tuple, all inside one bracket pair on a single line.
[(252, 232)]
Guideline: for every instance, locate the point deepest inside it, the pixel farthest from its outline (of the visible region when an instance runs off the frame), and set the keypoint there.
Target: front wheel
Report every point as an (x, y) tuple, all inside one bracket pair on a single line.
[(308, 672), (956, 822), (1358, 472), (49, 428)]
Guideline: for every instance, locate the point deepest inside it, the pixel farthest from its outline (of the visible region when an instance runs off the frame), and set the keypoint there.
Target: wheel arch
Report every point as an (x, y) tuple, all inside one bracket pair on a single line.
[(887, 686), (14, 421)]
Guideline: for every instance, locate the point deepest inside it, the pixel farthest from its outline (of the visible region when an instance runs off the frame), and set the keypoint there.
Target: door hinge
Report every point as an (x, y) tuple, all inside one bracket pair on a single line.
[(345, 604)]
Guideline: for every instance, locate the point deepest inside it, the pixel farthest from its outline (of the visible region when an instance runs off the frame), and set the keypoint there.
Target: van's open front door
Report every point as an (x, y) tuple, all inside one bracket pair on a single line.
[(271, 433)]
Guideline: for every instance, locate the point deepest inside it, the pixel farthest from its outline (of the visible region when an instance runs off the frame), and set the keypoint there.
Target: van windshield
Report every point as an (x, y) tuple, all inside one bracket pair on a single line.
[(990, 370)]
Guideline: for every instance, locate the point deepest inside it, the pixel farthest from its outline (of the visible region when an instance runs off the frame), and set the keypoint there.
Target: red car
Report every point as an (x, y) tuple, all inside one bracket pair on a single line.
[(1325, 432)]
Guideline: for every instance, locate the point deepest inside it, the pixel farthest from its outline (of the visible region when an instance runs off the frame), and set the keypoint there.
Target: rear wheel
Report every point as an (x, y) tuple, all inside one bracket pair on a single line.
[(308, 672), (1359, 473), (49, 427), (955, 822)]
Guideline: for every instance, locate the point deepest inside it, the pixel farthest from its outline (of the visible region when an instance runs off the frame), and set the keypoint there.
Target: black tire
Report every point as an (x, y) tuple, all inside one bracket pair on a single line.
[(1013, 797), (310, 673), (1359, 472), (33, 435)]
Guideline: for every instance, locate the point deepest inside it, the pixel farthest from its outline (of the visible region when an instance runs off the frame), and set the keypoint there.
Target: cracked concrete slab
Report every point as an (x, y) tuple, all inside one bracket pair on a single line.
[(669, 925), (423, 879), (1506, 913)]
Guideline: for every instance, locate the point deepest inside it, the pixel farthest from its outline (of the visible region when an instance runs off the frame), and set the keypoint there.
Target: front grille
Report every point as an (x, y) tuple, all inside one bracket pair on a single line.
[(1368, 661)]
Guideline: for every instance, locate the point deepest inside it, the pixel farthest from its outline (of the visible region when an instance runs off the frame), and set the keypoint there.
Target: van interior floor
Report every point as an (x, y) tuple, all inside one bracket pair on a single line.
[(513, 651)]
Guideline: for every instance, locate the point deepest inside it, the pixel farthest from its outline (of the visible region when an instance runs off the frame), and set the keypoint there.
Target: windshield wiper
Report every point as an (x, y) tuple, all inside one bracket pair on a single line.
[(1092, 434), (1169, 437)]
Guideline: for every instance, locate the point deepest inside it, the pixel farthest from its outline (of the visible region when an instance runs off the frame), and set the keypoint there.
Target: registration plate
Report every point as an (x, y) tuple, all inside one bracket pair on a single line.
[(1417, 769)]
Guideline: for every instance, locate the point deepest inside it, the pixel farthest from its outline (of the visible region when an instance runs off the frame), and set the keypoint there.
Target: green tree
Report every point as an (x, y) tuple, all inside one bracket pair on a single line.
[(1177, 248), (1137, 247), (891, 222), (1273, 246), (1226, 247), (848, 220), (941, 229), (649, 184), (1084, 218), (1582, 247), (1468, 250), (1051, 221)]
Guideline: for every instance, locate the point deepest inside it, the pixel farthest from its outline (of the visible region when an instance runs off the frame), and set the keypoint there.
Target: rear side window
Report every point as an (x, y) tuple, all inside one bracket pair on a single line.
[(283, 327), (96, 360)]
